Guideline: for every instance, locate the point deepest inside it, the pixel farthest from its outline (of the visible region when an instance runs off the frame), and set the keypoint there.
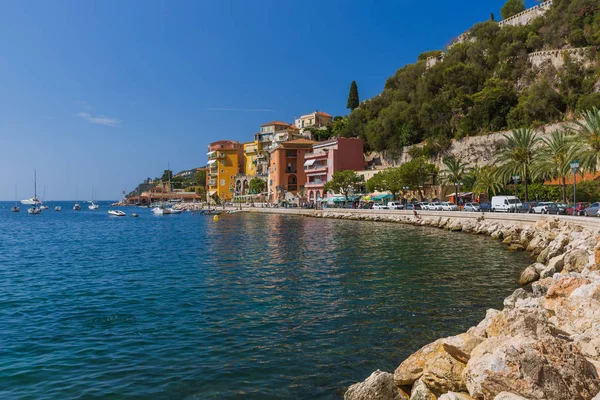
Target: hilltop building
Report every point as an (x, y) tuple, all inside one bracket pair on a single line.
[(329, 157), (317, 119), (225, 161)]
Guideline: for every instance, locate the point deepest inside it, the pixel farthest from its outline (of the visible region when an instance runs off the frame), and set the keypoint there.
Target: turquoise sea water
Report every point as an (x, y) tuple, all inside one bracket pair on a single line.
[(249, 307)]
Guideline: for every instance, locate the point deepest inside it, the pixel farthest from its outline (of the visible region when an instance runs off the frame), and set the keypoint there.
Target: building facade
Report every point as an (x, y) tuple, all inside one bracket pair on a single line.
[(225, 161), (287, 177), (327, 158), (317, 118)]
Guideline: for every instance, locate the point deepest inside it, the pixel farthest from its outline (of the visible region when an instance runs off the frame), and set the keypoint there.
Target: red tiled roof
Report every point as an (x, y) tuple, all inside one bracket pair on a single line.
[(275, 123), (323, 114)]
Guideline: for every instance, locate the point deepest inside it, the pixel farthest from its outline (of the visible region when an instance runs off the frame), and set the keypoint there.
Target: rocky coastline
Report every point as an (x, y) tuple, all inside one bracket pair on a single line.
[(544, 343)]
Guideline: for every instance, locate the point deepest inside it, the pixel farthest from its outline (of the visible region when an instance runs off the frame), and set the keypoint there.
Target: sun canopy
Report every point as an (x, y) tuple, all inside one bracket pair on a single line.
[(210, 152), (212, 192), (212, 161), (383, 196), (308, 163)]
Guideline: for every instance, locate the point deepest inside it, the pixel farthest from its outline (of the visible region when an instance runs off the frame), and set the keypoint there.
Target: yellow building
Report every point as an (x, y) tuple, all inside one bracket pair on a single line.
[(250, 154), (225, 161)]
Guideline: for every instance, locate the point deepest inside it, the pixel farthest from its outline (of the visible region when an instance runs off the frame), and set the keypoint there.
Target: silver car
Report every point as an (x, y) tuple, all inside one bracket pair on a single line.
[(471, 207), (592, 210)]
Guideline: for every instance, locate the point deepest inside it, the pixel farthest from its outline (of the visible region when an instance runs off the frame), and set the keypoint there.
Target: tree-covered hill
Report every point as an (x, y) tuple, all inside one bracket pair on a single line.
[(487, 83)]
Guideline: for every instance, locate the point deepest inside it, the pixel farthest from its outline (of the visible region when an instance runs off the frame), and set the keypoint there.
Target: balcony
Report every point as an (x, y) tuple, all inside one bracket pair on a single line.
[(315, 169), (212, 182), (314, 184), (291, 171), (292, 187), (291, 154), (320, 154)]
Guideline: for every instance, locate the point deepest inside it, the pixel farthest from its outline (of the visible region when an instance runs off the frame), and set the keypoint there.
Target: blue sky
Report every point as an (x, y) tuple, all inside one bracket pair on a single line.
[(106, 93)]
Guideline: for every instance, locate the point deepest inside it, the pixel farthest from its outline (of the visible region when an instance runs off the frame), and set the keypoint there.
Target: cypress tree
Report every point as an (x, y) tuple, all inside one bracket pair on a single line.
[(353, 96)]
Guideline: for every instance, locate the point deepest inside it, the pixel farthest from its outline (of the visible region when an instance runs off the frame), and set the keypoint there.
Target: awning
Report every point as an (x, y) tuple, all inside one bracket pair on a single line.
[(210, 153), (212, 192), (384, 196), (308, 163), (212, 161), (352, 198), (463, 194)]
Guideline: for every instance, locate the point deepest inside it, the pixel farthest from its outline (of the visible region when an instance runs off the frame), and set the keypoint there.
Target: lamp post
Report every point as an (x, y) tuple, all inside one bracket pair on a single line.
[(405, 189), (574, 168)]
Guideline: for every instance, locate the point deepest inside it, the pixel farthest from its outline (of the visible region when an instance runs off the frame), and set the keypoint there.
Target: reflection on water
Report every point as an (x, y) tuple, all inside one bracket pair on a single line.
[(252, 306)]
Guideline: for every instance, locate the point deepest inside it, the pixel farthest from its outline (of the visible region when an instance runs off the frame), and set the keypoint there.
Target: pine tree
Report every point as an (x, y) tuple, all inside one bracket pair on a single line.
[(353, 96), (512, 7)]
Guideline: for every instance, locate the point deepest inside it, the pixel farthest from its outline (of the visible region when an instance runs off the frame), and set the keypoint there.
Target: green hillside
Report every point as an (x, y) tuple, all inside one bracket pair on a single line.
[(487, 83)]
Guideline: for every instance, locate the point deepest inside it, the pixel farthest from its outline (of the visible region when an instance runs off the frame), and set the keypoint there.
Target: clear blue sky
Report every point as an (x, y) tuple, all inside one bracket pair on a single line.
[(107, 93)]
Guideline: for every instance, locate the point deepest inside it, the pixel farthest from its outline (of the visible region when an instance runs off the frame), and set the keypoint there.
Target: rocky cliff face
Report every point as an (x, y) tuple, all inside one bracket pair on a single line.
[(544, 344)]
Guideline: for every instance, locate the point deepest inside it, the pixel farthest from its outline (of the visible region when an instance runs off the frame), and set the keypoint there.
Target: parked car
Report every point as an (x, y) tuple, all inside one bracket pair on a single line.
[(395, 205), (449, 206), (506, 203), (424, 205), (577, 208), (435, 206), (412, 207), (542, 207), (557, 208), (471, 207), (377, 206), (485, 207), (528, 207), (592, 210)]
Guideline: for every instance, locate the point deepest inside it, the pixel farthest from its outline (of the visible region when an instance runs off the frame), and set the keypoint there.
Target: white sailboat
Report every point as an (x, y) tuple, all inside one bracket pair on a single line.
[(35, 209), (93, 206), (34, 201), (76, 207), (16, 207), (42, 205), (162, 208)]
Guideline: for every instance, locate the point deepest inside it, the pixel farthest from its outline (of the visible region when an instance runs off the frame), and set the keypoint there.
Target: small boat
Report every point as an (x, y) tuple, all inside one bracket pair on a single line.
[(44, 207), (211, 212), (34, 210), (16, 207), (57, 208), (135, 215), (76, 207), (93, 206), (164, 210), (116, 213)]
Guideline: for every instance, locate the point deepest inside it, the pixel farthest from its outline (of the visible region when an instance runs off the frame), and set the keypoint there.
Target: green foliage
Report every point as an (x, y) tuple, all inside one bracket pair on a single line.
[(586, 191), (485, 180), (518, 153), (353, 100), (455, 170), (537, 191), (200, 178), (416, 173), (257, 185), (167, 174), (389, 180), (485, 84), (512, 7), (555, 157), (344, 182)]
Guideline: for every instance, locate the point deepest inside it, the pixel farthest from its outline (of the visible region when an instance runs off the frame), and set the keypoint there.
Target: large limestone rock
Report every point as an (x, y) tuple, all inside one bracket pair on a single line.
[(379, 386), (508, 396), (420, 391), (455, 396), (529, 275), (576, 260), (528, 322), (543, 368), (439, 365)]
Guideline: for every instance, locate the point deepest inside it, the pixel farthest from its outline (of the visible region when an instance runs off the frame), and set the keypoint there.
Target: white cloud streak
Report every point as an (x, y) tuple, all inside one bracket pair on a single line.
[(241, 109), (99, 119)]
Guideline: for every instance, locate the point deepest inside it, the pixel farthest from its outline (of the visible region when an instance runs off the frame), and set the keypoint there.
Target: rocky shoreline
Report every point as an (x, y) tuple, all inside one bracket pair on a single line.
[(544, 344)]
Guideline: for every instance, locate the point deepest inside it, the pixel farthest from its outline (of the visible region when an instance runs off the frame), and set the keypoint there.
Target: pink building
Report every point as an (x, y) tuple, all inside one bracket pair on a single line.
[(328, 157)]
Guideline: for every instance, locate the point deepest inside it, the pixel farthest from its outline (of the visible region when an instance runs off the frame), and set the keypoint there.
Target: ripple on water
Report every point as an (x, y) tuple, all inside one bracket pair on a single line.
[(253, 307)]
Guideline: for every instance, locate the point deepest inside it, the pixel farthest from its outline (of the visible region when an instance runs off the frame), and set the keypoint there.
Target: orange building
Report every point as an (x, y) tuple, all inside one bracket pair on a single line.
[(286, 173)]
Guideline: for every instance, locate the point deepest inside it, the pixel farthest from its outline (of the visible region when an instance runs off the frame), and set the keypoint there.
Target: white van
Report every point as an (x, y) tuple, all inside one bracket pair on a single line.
[(395, 205), (506, 204)]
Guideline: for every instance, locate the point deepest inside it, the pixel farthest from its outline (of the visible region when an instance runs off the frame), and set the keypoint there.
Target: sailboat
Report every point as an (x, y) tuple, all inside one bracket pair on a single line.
[(93, 206), (35, 209), (76, 207), (42, 205), (16, 207)]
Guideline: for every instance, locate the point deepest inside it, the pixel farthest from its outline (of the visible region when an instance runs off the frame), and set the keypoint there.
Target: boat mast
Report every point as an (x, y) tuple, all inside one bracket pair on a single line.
[(35, 186)]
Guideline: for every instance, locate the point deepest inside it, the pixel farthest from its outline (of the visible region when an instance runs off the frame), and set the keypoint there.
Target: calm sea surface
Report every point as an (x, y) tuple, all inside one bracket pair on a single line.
[(249, 307)]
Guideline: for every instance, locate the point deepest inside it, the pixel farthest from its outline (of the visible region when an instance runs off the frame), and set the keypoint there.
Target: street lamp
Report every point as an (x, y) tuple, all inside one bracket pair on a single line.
[(405, 189), (574, 168)]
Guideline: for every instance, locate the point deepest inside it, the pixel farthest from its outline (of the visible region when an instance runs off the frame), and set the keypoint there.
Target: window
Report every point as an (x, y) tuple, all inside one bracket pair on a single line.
[(223, 162), (222, 182)]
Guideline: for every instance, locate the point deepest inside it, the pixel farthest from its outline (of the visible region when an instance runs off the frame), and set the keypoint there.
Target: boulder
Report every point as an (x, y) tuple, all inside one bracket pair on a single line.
[(508, 396), (596, 265), (528, 275), (540, 288), (545, 368), (497, 234), (379, 386), (576, 260), (557, 262), (563, 287), (435, 364), (539, 267), (519, 294), (516, 247), (530, 322), (420, 391), (455, 396)]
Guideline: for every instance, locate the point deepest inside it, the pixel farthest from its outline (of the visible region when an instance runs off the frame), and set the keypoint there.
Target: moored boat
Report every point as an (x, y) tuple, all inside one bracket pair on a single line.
[(116, 213), (35, 209), (16, 206), (57, 208)]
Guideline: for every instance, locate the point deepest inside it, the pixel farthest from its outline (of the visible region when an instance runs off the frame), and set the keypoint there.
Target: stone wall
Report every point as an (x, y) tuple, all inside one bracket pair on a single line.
[(557, 57), (431, 61), (525, 17)]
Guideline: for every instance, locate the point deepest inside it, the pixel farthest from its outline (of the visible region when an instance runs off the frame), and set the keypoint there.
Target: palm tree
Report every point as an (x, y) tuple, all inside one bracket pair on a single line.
[(555, 158), (517, 154), (455, 171), (486, 180), (588, 137)]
